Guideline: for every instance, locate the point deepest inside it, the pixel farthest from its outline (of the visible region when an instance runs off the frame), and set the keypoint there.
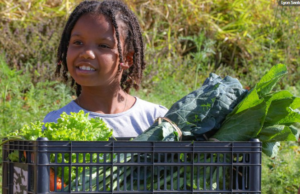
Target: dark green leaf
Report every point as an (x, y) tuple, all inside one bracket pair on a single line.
[(244, 125), (269, 80), (270, 148), (276, 133)]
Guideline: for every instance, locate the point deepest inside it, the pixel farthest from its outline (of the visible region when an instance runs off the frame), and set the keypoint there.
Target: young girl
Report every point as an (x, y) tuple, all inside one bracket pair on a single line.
[(102, 52)]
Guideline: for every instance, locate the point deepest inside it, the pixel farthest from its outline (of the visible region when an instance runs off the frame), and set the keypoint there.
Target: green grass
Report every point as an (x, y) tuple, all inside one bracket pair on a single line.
[(22, 101), (1, 179), (281, 174)]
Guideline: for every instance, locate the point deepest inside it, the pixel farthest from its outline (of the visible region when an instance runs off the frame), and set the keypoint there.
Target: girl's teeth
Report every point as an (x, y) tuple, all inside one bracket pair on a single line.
[(86, 68)]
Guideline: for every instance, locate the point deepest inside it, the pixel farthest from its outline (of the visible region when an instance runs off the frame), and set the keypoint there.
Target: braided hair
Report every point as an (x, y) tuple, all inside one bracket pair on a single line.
[(119, 13)]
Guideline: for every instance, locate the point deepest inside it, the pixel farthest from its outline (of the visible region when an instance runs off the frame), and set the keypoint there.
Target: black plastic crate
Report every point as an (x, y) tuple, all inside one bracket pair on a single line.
[(136, 167)]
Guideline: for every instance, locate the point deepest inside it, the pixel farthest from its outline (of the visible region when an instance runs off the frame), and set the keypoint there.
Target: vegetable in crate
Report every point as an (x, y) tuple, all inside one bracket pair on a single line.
[(274, 112), (270, 116), (73, 127), (200, 113)]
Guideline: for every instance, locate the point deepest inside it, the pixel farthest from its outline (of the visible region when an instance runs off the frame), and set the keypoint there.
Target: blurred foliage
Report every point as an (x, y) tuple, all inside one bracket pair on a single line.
[(35, 11), (33, 48), (281, 174), (244, 36), (22, 101)]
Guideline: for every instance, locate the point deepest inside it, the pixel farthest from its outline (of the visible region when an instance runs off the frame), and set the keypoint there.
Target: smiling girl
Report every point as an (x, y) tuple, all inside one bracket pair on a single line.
[(102, 52)]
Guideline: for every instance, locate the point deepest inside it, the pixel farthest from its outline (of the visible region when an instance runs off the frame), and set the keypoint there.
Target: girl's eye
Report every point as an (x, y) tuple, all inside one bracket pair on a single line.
[(103, 46), (77, 42)]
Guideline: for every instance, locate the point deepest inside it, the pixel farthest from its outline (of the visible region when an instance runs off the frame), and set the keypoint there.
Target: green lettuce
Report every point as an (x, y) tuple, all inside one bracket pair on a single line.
[(73, 127)]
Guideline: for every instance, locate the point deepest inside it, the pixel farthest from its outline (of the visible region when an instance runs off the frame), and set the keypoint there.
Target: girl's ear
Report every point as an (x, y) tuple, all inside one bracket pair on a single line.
[(128, 61)]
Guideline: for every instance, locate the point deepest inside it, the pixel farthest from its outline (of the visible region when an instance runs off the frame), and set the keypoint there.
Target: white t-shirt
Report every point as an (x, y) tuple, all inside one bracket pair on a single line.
[(130, 123)]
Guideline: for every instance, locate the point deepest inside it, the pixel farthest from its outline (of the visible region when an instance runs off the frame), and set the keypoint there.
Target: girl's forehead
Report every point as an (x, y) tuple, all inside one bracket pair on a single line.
[(92, 22), (97, 22), (94, 19)]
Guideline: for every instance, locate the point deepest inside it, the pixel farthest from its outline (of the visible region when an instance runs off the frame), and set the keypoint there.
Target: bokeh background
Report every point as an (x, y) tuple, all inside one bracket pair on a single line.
[(185, 41)]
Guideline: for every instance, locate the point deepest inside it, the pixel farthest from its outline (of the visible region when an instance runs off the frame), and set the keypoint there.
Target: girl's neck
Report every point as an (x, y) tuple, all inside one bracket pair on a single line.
[(105, 101)]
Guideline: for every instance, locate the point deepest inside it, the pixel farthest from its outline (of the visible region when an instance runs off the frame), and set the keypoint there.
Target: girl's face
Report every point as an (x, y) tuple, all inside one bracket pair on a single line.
[(93, 56)]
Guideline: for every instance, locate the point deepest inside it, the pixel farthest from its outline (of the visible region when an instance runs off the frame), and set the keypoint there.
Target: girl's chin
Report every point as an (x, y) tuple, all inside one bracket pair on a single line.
[(92, 83)]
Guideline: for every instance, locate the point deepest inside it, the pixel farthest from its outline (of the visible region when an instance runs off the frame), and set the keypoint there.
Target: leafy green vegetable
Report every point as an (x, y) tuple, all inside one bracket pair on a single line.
[(77, 127), (14, 156), (242, 126), (221, 110), (28, 132), (271, 148), (264, 114), (199, 113), (276, 133), (73, 127)]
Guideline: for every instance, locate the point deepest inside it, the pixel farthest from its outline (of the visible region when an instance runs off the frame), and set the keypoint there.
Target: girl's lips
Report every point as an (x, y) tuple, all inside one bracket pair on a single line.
[(84, 71), (84, 68), (88, 68), (84, 65)]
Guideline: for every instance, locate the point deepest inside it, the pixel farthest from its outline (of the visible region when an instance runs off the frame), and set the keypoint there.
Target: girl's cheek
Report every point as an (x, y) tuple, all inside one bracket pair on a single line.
[(70, 54)]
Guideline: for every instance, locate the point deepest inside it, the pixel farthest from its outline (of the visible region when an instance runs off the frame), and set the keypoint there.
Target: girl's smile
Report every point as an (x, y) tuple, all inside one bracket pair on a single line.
[(92, 56), (85, 68)]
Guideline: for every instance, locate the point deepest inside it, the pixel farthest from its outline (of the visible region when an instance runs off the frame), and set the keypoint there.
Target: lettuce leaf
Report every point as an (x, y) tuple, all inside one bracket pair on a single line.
[(77, 127)]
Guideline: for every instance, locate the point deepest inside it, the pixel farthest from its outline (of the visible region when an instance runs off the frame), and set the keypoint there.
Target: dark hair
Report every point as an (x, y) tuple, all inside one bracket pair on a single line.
[(116, 11)]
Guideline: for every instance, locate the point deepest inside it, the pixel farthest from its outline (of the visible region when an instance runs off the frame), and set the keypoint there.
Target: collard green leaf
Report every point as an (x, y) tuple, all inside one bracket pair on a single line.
[(276, 133), (262, 88), (244, 125), (251, 100), (296, 103), (275, 124), (269, 80), (203, 110), (278, 95), (279, 112), (263, 113), (152, 134), (295, 128), (270, 148), (168, 132)]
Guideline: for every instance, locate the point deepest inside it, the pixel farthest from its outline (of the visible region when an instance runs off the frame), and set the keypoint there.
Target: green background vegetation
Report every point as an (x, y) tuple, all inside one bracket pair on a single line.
[(185, 41)]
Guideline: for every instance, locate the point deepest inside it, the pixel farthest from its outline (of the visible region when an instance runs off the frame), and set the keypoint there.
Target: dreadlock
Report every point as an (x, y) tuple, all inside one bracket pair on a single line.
[(119, 13)]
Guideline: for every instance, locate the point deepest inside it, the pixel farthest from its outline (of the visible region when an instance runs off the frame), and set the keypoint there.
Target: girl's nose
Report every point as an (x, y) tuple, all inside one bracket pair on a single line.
[(87, 54)]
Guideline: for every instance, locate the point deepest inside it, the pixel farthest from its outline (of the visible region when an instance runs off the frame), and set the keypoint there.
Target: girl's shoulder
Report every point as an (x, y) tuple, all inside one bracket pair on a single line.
[(54, 115)]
